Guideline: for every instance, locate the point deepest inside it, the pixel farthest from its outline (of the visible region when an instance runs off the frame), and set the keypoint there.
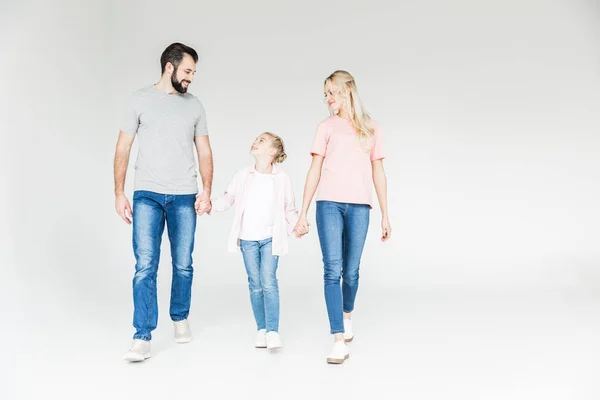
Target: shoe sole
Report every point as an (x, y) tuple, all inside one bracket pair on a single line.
[(181, 341), (337, 360), (261, 346), (274, 347), (135, 359)]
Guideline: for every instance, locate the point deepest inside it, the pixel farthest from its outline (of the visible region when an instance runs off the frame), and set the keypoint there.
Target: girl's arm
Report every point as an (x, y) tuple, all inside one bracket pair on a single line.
[(310, 187), (380, 182), (224, 202), (291, 211)]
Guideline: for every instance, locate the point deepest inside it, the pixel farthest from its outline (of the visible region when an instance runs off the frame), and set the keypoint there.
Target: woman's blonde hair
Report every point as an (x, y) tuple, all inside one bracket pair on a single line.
[(361, 120), (277, 144)]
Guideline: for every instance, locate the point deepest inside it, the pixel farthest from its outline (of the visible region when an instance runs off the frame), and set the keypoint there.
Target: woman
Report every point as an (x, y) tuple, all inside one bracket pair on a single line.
[(347, 159)]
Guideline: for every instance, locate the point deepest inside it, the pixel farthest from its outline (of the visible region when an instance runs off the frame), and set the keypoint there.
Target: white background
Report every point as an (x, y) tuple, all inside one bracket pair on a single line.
[(490, 113)]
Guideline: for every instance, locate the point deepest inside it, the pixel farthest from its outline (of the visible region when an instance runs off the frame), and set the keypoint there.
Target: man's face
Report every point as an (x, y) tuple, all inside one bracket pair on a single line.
[(183, 74)]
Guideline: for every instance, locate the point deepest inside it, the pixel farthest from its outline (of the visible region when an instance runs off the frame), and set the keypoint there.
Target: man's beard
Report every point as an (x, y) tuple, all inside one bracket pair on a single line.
[(178, 85)]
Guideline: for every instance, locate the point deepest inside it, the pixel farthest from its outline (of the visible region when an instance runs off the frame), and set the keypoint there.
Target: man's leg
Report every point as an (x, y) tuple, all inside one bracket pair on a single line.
[(148, 227), (181, 226)]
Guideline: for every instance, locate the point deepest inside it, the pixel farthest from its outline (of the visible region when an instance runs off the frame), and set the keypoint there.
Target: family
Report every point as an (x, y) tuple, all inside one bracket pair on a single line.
[(170, 123)]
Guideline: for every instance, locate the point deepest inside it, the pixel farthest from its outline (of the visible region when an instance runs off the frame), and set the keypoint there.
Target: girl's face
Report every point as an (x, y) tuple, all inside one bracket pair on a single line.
[(262, 146), (333, 97)]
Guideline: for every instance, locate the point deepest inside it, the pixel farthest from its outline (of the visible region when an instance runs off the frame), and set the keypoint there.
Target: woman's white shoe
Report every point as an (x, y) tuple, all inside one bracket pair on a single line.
[(339, 353), (348, 330)]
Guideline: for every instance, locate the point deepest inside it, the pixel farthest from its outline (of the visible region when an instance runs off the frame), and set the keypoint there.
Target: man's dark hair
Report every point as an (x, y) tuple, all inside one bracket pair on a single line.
[(174, 54)]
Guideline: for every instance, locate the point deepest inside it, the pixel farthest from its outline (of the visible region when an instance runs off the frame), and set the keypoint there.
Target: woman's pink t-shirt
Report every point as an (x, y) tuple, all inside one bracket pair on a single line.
[(347, 175)]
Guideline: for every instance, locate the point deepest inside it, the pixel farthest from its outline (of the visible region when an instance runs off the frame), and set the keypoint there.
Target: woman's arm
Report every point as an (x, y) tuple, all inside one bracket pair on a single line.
[(380, 182), (310, 187)]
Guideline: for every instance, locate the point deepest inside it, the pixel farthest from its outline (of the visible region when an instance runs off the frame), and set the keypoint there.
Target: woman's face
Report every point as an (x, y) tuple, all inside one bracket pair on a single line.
[(333, 97)]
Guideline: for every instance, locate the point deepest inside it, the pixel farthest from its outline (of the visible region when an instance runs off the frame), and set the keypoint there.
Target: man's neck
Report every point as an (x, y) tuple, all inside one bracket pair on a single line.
[(165, 86)]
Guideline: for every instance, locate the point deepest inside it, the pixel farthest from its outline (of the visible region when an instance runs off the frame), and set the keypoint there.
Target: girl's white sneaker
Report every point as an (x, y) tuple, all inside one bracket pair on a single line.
[(261, 339), (274, 340)]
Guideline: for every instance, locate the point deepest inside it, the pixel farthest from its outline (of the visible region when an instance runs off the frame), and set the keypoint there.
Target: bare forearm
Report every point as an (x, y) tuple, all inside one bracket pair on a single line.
[(310, 187), (120, 170), (206, 171), (380, 182)]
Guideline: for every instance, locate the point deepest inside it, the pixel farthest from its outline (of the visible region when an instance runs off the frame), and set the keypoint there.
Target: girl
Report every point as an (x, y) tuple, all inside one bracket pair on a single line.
[(347, 158), (265, 214)]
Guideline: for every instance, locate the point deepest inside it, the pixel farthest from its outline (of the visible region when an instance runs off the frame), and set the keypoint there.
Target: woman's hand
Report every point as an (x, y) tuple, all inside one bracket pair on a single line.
[(301, 227), (386, 229)]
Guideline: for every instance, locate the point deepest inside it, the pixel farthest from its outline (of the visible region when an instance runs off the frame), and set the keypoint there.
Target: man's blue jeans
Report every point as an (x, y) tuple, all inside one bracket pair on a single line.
[(150, 213)]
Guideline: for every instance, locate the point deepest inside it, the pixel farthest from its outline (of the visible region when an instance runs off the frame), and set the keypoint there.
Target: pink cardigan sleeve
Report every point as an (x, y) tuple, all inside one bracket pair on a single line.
[(224, 202), (291, 212)]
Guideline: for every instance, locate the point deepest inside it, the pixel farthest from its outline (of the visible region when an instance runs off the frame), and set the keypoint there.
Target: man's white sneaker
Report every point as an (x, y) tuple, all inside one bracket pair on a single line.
[(183, 334), (273, 340), (139, 351), (339, 353), (261, 339), (348, 330)]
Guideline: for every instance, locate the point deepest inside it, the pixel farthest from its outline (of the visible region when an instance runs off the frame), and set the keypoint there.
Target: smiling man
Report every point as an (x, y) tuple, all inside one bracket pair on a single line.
[(169, 123)]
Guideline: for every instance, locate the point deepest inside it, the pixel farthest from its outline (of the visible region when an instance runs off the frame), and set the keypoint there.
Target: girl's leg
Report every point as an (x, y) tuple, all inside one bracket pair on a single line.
[(270, 287), (251, 255)]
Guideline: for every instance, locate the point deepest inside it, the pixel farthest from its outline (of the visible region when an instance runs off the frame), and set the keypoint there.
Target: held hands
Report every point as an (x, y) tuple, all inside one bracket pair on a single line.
[(301, 227), (202, 204)]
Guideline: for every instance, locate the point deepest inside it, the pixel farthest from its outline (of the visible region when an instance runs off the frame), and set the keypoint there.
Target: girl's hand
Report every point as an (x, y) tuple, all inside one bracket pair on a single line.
[(301, 228), (386, 229)]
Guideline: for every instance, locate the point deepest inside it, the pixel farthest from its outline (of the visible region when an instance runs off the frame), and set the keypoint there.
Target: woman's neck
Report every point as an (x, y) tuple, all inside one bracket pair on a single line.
[(343, 114)]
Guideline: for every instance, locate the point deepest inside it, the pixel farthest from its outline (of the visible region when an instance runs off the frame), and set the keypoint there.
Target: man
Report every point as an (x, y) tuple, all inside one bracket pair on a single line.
[(169, 123)]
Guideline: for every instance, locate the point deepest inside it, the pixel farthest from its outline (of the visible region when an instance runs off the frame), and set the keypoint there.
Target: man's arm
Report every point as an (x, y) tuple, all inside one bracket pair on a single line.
[(121, 161), (205, 162)]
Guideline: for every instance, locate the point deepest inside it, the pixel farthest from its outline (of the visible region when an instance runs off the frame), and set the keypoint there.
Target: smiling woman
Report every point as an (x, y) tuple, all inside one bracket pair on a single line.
[(347, 160)]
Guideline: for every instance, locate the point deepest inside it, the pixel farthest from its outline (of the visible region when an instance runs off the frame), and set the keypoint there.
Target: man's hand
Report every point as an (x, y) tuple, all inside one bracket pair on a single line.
[(123, 208), (202, 204)]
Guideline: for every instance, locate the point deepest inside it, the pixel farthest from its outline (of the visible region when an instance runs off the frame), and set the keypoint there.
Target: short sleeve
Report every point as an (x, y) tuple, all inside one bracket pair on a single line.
[(377, 152), (200, 128), (130, 119), (319, 146)]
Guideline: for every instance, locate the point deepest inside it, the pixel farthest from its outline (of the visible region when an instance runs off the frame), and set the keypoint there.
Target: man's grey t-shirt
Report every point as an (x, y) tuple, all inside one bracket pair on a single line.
[(166, 125)]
